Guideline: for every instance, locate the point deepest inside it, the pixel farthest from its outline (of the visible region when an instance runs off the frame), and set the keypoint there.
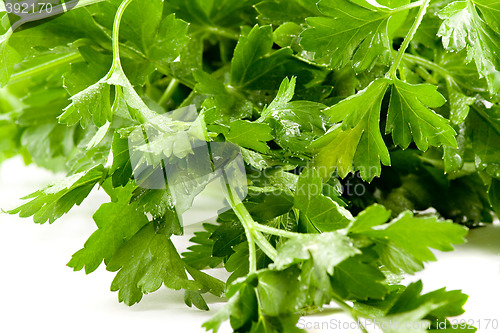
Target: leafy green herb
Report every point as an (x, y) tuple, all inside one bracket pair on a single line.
[(347, 135)]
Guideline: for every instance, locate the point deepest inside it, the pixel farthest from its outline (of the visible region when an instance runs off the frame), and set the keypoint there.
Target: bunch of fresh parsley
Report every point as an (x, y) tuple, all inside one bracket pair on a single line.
[(366, 129)]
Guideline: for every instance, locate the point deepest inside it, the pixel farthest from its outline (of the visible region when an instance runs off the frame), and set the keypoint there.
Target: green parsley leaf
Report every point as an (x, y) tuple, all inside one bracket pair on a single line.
[(351, 30), (357, 143), (253, 57), (249, 135), (117, 223), (474, 25), (320, 210), (57, 199), (281, 11), (409, 116), (295, 123), (162, 95), (9, 57), (326, 249), (406, 240), (228, 103), (484, 127), (146, 262), (355, 279)]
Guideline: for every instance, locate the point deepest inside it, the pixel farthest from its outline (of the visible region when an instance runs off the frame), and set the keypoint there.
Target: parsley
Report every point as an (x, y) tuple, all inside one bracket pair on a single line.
[(333, 127)]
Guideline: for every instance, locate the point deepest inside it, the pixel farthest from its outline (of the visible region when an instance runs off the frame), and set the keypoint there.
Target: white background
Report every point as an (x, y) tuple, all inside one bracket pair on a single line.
[(39, 293)]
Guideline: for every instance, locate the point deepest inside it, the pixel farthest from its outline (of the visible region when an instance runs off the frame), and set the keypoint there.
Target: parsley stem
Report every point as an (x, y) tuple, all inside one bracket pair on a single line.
[(189, 99), (347, 308), (165, 70), (428, 64), (253, 235), (167, 95), (223, 32), (361, 326), (263, 243), (116, 35), (46, 67), (252, 252), (408, 6), (276, 232), (438, 69), (246, 220), (409, 36), (467, 168)]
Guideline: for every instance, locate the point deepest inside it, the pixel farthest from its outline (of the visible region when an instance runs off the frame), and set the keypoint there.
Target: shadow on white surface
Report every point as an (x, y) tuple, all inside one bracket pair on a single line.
[(485, 239)]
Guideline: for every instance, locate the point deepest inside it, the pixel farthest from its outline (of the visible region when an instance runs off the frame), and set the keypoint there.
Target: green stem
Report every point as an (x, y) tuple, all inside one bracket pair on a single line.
[(438, 69), (344, 306), (135, 54), (264, 244), (409, 36), (5, 37), (188, 100), (223, 32), (408, 6), (132, 52), (250, 225), (167, 95), (116, 35), (45, 67), (276, 232), (247, 225), (246, 220), (467, 168), (253, 235), (424, 74), (428, 64), (361, 326)]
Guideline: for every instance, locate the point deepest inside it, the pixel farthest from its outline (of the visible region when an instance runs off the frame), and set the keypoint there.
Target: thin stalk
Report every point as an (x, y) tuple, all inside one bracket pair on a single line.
[(45, 67), (246, 220), (5, 37), (409, 36), (223, 32), (361, 326), (408, 6), (438, 69), (422, 72), (252, 251), (188, 100), (264, 244), (133, 53), (276, 232), (344, 306), (167, 95), (467, 168), (116, 35), (428, 64), (253, 235)]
